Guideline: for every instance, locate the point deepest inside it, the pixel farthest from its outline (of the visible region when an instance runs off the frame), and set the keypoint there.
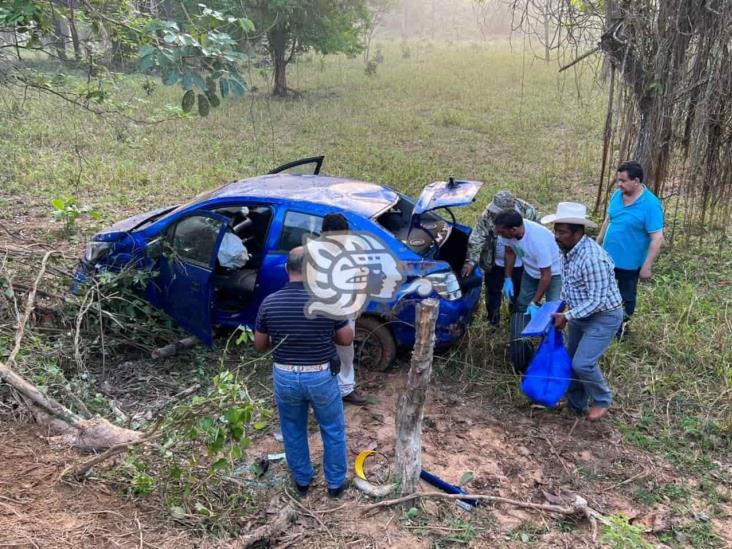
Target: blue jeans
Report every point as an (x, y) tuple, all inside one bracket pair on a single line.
[(294, 392), (587, 341), (529, 284), (628, 286)]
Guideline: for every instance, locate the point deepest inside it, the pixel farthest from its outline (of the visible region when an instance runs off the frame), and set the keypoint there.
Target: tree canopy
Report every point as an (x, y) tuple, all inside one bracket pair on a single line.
[(199, 47)]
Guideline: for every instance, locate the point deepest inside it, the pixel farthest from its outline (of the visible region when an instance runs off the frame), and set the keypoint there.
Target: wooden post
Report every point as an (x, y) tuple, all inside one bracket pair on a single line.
[(410, 409)]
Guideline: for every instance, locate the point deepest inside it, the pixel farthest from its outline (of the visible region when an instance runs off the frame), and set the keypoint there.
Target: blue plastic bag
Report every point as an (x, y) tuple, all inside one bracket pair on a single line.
[(550, 372)]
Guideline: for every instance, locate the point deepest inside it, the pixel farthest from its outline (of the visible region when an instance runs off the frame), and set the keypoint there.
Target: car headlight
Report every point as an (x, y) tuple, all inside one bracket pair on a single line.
[(446, 285), (96, 250)]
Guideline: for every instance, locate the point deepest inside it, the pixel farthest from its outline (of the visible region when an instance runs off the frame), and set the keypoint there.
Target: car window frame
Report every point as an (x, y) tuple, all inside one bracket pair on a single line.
[(170, 235), (278, 249)]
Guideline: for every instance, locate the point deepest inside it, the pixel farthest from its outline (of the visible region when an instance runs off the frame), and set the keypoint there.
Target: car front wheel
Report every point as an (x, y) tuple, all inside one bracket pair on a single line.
[(374, 345)]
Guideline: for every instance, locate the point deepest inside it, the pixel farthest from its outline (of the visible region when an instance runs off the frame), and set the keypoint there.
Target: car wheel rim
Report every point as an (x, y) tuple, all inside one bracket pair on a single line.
[(369, 352)]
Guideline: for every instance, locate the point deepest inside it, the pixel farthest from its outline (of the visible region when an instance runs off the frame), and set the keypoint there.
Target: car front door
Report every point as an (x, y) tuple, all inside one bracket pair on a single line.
[(185, 279), (304, 166)]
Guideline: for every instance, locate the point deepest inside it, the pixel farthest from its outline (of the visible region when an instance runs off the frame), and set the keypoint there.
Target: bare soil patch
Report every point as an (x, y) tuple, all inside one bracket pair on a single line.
[(38, 511), (532, 456)]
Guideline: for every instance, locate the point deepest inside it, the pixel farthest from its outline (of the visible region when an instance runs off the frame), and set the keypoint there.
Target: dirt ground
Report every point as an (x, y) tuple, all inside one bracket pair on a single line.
[(534, 456)]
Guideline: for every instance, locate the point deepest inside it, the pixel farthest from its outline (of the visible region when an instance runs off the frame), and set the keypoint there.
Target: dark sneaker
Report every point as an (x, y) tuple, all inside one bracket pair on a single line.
[(355, 398), (302, 490), (336, 492)]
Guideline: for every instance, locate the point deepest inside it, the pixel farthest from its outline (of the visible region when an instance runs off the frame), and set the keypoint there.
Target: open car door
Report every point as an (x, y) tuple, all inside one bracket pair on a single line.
[(304, 166), (186, 276)]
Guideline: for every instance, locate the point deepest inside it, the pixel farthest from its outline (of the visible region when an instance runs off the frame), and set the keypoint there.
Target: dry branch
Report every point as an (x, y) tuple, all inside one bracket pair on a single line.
[(577, 507), (82, 469), (175, 347), (91, 434), (270, 531)]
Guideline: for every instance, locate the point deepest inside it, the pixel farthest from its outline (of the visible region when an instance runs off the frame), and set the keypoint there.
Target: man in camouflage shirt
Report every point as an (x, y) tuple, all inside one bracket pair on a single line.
[(484, 249)]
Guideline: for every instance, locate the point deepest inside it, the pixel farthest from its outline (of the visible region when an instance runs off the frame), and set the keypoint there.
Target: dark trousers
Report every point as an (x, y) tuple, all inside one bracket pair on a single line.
[(628, 286), (493, 281)]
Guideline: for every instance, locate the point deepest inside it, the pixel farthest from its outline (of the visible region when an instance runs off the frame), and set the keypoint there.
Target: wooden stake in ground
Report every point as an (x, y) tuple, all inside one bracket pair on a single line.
[(410, 409)]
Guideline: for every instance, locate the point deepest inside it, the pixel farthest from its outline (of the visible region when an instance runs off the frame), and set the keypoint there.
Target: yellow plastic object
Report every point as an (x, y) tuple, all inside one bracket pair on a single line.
[(360, 459)]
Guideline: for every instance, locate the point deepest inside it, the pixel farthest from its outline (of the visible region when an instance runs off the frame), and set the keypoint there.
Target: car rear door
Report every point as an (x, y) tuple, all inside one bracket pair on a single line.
[(186, 273), (285, 235)]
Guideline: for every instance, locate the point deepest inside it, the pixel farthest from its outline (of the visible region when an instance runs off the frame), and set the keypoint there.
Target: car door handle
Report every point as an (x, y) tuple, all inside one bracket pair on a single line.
[(195, 286)]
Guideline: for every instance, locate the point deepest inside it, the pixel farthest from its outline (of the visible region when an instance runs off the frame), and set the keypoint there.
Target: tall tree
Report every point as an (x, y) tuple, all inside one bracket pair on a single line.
[(673, 59), (197, 54), (292, 27)]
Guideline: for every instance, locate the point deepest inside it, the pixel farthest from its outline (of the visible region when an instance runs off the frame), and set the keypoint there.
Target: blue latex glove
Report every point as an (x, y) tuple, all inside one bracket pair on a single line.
[(532, 309), (508, 288)]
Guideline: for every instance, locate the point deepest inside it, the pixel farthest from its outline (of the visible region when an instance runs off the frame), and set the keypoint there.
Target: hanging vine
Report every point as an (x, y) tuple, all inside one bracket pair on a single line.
[(673, 111)]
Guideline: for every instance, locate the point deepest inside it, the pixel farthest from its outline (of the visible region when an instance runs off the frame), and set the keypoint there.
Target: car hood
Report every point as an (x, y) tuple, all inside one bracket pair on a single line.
[(131, 223)]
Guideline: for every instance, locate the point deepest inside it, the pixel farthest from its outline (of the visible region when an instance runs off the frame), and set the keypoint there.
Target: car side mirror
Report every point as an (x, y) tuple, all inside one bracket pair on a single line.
[(155, 248)]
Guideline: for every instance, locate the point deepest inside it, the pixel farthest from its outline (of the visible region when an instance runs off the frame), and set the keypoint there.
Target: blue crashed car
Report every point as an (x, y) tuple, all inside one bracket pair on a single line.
[(271, 214)]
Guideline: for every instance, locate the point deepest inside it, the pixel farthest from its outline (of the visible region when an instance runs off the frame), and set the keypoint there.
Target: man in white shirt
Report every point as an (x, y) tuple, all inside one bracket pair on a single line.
[(536, 247)]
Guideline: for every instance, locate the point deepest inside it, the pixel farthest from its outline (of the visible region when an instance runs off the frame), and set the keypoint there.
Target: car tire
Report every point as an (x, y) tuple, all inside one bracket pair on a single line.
[(375, 348), (521, 349)]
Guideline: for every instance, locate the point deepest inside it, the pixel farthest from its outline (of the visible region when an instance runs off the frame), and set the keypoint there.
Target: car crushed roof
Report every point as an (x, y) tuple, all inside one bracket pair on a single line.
[(366, 199)]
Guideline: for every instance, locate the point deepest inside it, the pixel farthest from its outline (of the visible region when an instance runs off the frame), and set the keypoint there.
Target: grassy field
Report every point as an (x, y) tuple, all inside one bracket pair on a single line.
[(478, 112), (474, 112)]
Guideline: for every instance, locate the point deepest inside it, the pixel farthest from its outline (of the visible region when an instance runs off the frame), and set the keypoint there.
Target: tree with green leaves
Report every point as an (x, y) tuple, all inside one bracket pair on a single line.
[(198, 54), (291, 27)]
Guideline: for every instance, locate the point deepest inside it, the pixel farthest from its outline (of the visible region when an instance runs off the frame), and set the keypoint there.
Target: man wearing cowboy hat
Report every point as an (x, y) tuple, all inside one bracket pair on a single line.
[(485, 250), (595, 308)]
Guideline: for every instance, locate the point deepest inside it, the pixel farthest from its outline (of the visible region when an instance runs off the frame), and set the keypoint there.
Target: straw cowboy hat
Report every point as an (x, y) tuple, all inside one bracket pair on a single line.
[(569, 212)]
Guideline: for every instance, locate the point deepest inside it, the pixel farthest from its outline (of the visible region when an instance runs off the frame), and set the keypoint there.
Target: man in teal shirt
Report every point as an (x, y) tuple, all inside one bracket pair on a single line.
[(632, 233)]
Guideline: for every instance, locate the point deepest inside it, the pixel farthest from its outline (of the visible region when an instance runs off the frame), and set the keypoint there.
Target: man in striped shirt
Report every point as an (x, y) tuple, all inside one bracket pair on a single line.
[(303, 349), (594, 307)]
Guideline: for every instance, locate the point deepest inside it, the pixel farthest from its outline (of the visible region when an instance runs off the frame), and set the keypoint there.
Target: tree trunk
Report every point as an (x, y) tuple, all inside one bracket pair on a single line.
[(59, 38), (547, 50), (74, 33), (644, 138), (410, 409), (278, 46)]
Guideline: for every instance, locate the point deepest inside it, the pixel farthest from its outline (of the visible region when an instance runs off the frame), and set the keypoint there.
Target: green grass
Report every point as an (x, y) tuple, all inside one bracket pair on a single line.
[(478, 112), (465, 111)]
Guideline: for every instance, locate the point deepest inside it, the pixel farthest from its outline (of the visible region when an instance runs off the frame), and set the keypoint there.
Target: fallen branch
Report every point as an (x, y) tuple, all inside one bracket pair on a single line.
[(86, 434), (28, 308), (82, 469), (175, 347), (176, 397), (270, 531), (579, 506)]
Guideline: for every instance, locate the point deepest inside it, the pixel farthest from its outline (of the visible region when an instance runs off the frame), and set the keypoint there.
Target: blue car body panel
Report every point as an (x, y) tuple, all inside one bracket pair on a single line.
[(184, 289)]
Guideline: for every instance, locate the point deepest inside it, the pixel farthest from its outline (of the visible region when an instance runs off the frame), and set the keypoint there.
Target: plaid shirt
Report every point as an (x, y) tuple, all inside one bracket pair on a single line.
[(482, 242), (588, 280)]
